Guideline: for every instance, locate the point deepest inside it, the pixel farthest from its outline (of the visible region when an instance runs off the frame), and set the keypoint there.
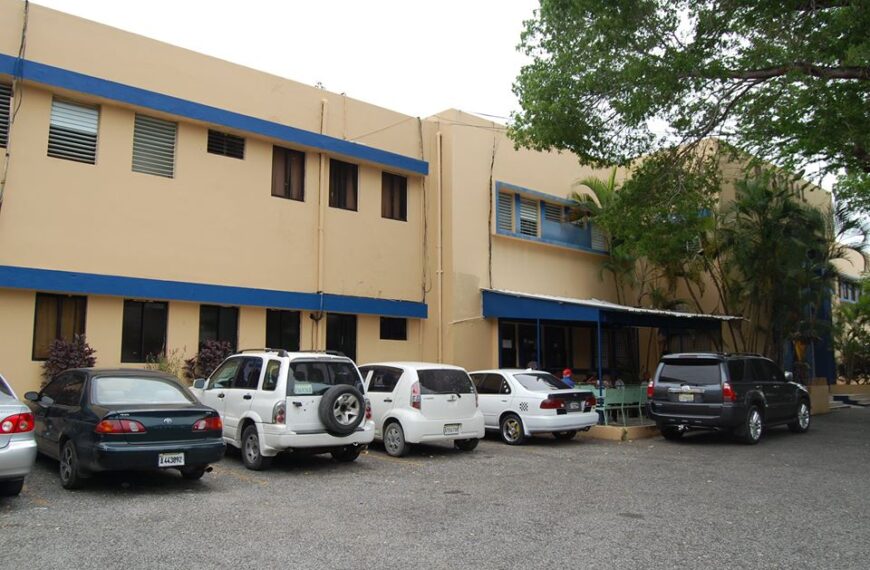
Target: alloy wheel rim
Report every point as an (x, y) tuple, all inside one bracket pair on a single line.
[(252, 449), (392, 439), (66, 464), (804, 416), (346, 409), (755, 425), (511, 429)]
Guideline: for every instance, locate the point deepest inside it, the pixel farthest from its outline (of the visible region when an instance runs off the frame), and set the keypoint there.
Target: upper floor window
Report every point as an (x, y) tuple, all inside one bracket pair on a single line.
[(288, 173), (226, 144), (849, 291), (72, 132), (219, 323), (394, 197), (505, 212), (57, 317), (5, 105), (343, 180), (154, 146), (528, 217)]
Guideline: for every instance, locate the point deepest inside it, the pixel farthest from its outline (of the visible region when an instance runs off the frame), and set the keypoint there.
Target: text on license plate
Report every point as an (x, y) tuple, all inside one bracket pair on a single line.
[(687, 397), (170, 460), (452, 429), (574, 406)]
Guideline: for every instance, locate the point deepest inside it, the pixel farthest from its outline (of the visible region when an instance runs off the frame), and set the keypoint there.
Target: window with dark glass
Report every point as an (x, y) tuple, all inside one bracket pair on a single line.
[(5, 107), (143, 333), (394, 197), (226, 144), (343, 180), (341, 334), (57, 317), (384, 379), (394, 329), (282, 329), (219, 323), (288, 174)]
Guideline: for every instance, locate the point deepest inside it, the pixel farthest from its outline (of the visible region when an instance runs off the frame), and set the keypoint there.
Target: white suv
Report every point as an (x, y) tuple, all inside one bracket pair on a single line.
[(418, 402), (273, 400), (519, 403)]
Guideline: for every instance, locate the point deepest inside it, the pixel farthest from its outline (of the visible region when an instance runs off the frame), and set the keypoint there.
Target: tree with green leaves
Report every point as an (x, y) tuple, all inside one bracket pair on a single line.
[(787, 81)]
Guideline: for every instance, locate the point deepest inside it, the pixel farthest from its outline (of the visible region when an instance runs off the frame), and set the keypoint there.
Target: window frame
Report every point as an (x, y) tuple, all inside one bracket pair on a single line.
[(59, 320), (220, 311), (338, 170), (57, 140), (143, 303), (287, 175), (394, 186), (387, 332), (147, 149), (281, 315), (219, 143), (6, 112)]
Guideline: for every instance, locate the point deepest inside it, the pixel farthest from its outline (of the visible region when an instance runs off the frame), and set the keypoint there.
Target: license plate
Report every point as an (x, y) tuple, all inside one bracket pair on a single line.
[(687, 397), (452, 429), (170, 460), (574, 406)]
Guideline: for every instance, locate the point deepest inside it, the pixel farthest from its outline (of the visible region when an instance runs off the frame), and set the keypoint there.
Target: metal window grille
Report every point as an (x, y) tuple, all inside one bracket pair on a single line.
[(72, 133), (5, 101), (599, 241), (554, 213), (226, 144), (529, 217), (505, 212), (154, 146)]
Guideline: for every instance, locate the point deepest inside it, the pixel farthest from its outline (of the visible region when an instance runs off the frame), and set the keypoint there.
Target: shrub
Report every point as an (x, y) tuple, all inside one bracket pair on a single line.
[(211, 354), (171, 363), (65, 354)]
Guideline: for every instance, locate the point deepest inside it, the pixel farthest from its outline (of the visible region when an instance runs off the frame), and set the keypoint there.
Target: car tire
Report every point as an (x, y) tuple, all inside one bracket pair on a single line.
[(394, 440), (565, 435), (11, 488), (68, 467), (512, 430), (753, 426), (341, 410), (252, 455), (671, 433), (346, 454), (801, 424), (465, 444), (194, 473)]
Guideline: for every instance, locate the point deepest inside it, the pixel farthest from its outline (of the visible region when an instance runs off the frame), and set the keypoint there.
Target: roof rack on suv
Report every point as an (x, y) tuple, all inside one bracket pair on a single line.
[(280, 351), (743, 354), (330, 352)]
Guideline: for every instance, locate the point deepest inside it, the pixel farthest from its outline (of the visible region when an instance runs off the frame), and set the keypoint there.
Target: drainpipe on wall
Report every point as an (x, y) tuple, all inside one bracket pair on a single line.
[(322, 200), (440, 243)]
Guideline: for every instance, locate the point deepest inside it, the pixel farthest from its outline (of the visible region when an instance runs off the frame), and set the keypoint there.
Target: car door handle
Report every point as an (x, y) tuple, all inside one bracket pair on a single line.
[(221, 395), (388, 400), (247, 397), (504, 400)]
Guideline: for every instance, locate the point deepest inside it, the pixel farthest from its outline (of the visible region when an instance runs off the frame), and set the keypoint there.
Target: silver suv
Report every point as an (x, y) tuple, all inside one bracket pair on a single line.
[(273, 401)]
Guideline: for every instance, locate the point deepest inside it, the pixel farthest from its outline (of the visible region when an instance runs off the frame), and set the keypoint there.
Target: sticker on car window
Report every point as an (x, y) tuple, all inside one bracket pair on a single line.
[(302, 388)]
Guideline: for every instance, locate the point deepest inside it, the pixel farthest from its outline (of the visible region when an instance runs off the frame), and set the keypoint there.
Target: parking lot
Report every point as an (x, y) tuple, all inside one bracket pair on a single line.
[(791, 501)]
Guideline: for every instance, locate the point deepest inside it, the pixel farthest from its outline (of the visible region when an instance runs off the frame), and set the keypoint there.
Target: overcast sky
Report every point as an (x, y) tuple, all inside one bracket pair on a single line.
[(417, 57)]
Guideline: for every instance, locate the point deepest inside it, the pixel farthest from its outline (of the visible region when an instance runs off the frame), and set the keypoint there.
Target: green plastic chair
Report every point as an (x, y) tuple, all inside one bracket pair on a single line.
[(632, 400), (613, 399)]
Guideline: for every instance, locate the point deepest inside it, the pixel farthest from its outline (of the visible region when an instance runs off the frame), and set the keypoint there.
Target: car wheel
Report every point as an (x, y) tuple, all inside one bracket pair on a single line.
[(347, 454), (252, 456), (802, 421), (671, 433), (341, 410), (565, 435), (68, 467), (394, 440), (753, 426), (465, 444), (512, 432), (193, 473), (11, 488)]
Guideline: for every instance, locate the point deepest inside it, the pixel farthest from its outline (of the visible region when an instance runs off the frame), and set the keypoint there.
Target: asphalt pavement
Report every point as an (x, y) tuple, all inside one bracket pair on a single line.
[(793, 501)]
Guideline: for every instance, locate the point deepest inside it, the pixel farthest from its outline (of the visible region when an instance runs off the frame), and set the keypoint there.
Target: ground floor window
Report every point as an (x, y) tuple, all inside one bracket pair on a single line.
[(219, 323), (341, 334), (143, 334), (518, 344), (394, 329), (57, 317), (282, 329)]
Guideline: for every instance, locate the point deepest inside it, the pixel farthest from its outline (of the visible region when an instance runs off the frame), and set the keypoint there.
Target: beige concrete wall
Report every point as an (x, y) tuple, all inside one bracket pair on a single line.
[(16, 340)]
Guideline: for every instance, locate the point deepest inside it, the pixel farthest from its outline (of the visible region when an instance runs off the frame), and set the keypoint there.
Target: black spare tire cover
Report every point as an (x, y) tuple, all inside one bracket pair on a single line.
[(342, 409)]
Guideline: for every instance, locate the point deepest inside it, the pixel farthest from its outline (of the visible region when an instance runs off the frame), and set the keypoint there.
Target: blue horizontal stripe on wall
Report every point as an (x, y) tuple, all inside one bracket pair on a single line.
[(74, 81), (50, 280), (507, 306)]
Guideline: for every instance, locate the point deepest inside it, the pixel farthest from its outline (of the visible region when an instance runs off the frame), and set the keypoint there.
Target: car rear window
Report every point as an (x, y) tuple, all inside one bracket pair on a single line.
[(445, 381), (4, 389), (123, 390), (540, 382), (314, 377), (690, 372)]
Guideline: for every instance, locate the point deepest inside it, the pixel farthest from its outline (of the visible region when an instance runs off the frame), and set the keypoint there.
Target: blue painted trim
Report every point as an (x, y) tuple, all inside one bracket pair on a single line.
[(119, 286), (74, 81), (507, 306), (550, 242), (499, 186)]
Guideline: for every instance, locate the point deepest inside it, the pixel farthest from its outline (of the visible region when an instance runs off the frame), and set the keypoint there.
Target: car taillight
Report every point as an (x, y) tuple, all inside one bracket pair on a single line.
[(368, 409), (415, 396), (591, 401), (728, 392), (120, 426), (649, 390), (211, 423), (19, 423), (553, 404), (279, 412)]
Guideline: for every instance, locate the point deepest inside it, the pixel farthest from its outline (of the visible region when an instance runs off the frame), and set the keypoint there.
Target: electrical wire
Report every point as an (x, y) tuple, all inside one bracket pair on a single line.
[(17, 96)]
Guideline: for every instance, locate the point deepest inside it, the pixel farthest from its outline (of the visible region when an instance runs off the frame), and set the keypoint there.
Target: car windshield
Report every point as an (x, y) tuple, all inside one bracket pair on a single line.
[(314, 377), (445, 381), (540, 382), (116, 390), (690, 371)]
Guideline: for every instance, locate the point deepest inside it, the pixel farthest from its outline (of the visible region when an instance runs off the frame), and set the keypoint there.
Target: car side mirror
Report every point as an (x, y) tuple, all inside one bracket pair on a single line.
[(199, 383), (31, 397), (789, 377), (46, 401)]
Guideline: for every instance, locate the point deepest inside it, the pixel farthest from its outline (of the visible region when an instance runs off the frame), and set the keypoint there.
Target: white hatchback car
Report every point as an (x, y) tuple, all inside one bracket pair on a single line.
[(519, 403), (272, 401), (418, 402)]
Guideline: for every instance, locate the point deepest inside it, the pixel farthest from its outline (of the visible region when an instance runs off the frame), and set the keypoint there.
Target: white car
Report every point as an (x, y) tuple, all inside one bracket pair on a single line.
[(519, 403), (419, 402), (272, 401)]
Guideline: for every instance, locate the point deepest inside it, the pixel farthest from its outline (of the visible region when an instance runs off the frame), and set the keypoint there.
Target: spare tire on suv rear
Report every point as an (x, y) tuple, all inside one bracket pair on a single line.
[(342, 409)]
